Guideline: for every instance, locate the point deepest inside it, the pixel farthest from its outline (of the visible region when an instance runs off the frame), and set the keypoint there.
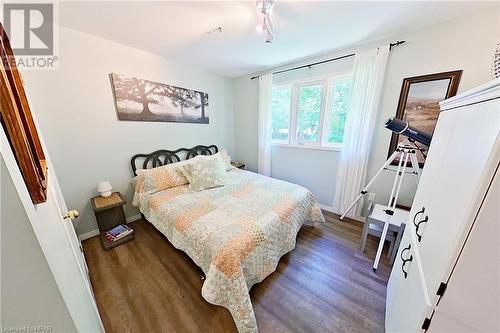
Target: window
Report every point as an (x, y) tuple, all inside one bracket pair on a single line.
[(311, 113), (340, 93), (280, 119)]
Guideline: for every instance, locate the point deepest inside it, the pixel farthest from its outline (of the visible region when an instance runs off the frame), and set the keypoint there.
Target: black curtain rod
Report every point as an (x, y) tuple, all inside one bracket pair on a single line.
[(391, 45)]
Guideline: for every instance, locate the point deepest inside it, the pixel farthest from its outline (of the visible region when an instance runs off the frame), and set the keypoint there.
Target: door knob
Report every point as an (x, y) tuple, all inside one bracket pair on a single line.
[(72, 214)]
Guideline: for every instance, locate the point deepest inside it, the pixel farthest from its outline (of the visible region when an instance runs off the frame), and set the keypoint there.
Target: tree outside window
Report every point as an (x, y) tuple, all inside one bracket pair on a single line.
[(280, 119)]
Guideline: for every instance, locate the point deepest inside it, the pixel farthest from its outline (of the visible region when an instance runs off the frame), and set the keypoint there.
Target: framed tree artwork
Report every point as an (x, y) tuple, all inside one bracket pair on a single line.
[(144, 100), (19, 126), (419, 104)]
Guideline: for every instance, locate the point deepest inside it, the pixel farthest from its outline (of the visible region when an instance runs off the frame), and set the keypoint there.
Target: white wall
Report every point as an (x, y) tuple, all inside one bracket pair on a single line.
[(314, 169), (246, 108), (466, 44), (77, 117)]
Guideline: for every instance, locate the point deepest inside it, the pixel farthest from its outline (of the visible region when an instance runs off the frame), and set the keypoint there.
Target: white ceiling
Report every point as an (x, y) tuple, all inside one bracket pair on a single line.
[(177, 29)]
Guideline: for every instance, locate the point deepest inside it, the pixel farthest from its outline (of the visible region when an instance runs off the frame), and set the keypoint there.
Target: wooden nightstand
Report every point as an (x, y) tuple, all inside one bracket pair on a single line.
[(109, 213), (238, 165)]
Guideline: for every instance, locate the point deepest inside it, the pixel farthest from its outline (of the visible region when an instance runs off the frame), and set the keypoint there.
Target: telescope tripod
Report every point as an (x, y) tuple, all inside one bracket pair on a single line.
[(406, 151)]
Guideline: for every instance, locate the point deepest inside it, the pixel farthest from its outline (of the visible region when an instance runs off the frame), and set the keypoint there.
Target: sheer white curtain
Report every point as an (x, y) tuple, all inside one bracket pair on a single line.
[(368, 77), (264, 134)]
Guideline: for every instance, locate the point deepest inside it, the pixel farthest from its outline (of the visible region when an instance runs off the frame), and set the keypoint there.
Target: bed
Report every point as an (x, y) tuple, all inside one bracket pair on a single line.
[(235, 233)]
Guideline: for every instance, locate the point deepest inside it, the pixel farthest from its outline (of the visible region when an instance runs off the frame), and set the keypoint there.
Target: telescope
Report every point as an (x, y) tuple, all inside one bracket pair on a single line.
[(406, 153), (403, 127)]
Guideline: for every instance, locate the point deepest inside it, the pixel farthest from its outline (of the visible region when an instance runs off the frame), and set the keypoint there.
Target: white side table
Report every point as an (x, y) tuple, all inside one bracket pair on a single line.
[(397, 221)]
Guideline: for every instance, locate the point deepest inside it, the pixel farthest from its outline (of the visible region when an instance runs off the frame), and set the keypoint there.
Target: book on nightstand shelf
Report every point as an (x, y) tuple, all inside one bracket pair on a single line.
[(118, 232)]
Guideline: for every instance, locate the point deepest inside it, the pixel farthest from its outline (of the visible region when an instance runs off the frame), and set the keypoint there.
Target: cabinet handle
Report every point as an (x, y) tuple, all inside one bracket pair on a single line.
[(417, 214), (417, 226), (405, 260)]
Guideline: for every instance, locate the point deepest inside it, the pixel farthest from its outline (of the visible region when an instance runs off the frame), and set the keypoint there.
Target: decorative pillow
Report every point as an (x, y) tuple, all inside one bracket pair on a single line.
[(163, 177), (170, 175), (205, 173), (226, 158)]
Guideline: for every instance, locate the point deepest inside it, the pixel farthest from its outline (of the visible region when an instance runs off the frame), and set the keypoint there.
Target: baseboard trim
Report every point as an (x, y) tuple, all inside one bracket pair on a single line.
[(325, 207), (88, 235), (330, 210), (133, 218), (95, 232)]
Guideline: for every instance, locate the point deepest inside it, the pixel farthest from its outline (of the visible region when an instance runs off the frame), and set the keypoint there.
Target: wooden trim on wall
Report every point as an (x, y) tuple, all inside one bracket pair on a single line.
[(18, 124)]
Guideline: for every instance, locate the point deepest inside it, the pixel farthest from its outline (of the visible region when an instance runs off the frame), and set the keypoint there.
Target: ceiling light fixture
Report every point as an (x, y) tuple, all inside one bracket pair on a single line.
[(265, 7)]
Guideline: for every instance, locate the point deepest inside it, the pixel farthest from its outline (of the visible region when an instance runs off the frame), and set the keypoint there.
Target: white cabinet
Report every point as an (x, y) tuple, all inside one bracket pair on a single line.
[(452, 211), (460, 165), (430, 174), (471, 302), (415, 297)]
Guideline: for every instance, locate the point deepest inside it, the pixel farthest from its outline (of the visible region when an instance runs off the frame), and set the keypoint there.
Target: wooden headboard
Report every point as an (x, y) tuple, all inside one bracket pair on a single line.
[(164, 157)]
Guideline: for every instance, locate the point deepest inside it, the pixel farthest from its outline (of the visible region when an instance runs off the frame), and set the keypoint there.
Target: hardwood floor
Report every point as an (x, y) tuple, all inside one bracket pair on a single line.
[(325, 285)]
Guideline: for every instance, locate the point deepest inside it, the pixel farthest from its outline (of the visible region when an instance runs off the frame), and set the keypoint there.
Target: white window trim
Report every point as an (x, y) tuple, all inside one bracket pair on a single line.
[(322, 144), (295, 111), (298, 146)]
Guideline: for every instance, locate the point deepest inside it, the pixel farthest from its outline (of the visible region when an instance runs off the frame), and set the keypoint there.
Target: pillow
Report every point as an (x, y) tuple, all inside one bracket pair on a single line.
[(163, 177), (225, 159), (205, 173), (170, 175)]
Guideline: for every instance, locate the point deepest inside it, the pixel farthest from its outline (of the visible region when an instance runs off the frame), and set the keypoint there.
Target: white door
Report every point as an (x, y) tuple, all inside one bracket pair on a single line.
[(54, 235), (407, 302), (74, 242), (435, 158), (471, 302), (70, 230), (429, 191), (456, 200)]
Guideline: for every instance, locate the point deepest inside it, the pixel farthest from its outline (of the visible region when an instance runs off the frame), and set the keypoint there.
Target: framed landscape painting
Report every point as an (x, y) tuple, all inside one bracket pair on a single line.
[(143, 100), (419, 103)]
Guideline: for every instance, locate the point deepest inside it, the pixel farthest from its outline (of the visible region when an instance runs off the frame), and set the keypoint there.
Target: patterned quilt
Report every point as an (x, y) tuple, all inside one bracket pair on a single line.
[(236, 233)]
